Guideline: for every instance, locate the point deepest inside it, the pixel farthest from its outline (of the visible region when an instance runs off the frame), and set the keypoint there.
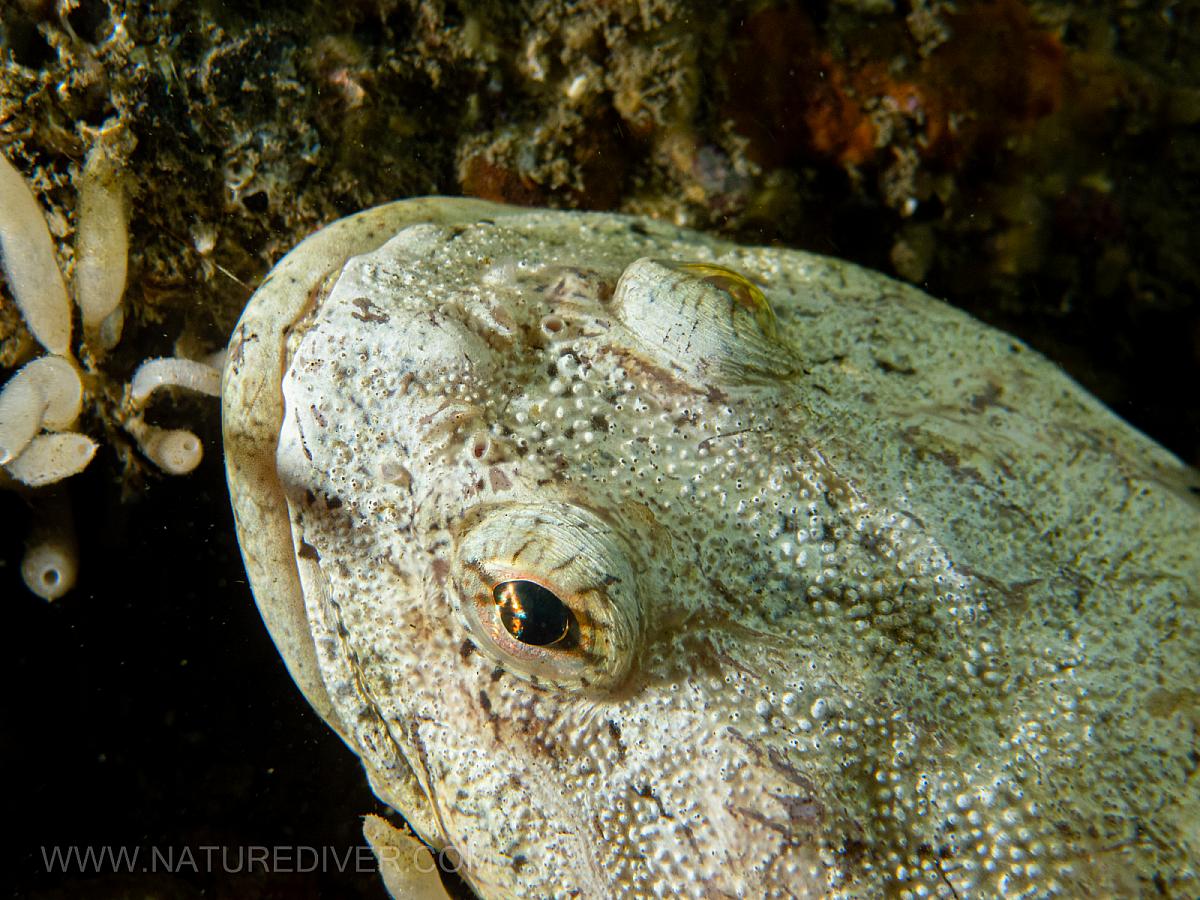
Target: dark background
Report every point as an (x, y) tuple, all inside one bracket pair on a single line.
[(148, 708)]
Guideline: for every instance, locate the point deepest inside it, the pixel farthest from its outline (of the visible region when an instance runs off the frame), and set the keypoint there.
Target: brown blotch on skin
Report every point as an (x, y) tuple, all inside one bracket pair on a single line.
[(580, 285), (668, 383), (237, 347), (988, 397), (615, 731), (367, 312), (485, 703), (500, 481), (1163, 703), (892, 368), (647, 793), (788, 831), (441, 569)]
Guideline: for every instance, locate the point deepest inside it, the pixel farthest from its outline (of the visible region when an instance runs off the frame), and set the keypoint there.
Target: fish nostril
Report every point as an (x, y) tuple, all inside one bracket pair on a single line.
[(704, 320), (741, 291)]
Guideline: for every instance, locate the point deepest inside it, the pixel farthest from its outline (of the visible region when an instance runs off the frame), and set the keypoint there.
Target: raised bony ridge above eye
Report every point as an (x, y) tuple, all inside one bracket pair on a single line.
[(548, 592), (703, 319)]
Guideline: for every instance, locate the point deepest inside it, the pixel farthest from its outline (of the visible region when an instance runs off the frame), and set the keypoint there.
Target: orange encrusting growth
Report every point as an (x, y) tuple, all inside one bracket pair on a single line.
[(997, 74)]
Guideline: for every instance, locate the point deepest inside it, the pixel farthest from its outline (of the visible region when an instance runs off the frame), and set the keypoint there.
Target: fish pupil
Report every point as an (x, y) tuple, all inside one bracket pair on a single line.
[(531, 613)]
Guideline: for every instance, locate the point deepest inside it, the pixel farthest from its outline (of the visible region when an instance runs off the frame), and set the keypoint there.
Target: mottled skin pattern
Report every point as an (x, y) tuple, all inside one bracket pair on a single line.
[(870, 600)]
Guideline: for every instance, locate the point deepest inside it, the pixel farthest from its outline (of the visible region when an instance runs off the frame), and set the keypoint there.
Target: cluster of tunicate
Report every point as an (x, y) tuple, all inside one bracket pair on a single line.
[(41, 403), (45, 395)]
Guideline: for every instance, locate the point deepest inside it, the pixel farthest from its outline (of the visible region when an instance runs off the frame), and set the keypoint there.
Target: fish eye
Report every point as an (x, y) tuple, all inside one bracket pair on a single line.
[(531, 613), (548, 591)]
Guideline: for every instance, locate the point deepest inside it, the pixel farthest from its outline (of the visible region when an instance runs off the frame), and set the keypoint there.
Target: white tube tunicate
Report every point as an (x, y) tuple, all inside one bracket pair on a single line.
[(101, 249), (28, 260), (49, 569), (51, 562), (61, 386), (52, 457), (217, 358), (174, 450), (174, 372), (407, 866), (110, 329), (45, 393), (22, 406)]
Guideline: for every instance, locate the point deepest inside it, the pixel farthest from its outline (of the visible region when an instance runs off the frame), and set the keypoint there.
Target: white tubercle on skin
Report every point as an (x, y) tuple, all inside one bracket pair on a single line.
[(30, 265), (173, 372), (52, 457), (102, 250)]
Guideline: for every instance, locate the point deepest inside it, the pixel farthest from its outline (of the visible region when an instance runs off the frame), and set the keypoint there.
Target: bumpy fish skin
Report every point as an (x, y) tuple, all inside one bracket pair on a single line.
[(859, 597)]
